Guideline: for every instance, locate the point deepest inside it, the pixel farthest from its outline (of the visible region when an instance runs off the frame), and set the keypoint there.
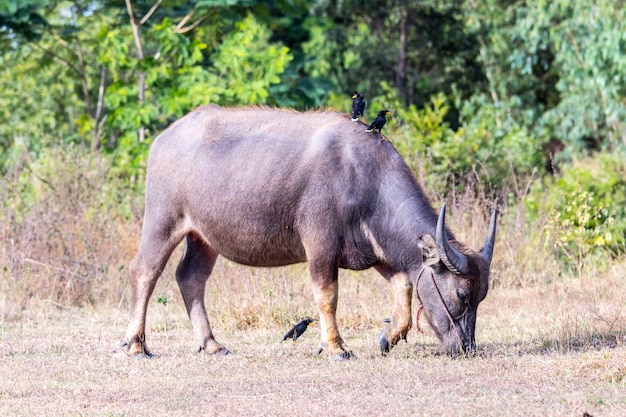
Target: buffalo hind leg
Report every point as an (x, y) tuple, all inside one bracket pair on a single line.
[(192, 272), (399, 323), (326, 290)]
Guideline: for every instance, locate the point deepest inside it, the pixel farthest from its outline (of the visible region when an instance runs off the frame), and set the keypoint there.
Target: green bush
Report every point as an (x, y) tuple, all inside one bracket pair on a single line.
[(580, 228), (487, 146), (586, 205)]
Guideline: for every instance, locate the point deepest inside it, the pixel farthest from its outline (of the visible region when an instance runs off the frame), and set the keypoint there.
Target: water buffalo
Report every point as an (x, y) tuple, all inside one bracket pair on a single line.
[(268, 187)]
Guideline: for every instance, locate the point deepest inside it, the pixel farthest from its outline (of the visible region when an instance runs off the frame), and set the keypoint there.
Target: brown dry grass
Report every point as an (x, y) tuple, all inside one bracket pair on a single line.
[(555, 350), (549, 345), (66, 229)]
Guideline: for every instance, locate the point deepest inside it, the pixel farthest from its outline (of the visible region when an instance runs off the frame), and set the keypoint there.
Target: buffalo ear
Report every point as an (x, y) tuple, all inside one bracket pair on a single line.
[(430, 254)]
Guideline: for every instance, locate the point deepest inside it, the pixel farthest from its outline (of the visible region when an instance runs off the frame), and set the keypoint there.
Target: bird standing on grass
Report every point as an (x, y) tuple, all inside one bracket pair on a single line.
[(298, 329), (379, 121), (358, 105)]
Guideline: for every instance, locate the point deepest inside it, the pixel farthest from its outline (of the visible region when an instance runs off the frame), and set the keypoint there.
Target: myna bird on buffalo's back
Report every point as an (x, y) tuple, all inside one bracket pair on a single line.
[(379, 121), (358, 105), (298, 329)]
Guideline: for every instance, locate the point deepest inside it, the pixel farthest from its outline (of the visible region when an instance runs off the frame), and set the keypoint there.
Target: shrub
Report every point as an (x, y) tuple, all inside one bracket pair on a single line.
[(494, 149), (579, 227), (586, 203), (68, 227)]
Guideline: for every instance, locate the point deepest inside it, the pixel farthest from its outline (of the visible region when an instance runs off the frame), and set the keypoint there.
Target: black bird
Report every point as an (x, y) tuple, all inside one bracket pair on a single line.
[(358, 105), (379, 121), (297, 330)]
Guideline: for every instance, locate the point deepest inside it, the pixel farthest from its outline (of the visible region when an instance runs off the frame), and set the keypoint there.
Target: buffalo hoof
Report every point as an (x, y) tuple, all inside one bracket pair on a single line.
[(221, 351), (136, 349), (344, 356), (383, 343)]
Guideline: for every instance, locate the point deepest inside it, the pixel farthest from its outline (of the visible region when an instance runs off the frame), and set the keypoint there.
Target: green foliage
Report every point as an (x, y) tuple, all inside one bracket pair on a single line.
[(85, 83), (419, 48), (587, 206), (22, 18), (557, 68), (495, 155), (488, 90), (418, 129), (246, 63), (580, 227), (179, 76), (588, 40), (501, 150), (162, 299), (36, 103)]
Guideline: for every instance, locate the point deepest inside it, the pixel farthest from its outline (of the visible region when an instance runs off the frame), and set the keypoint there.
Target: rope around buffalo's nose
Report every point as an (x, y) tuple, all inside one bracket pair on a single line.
[(443, 303)]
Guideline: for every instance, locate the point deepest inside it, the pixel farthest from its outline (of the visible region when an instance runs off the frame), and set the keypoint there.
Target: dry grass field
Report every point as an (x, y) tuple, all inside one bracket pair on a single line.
[(549, 344), (550, 350)]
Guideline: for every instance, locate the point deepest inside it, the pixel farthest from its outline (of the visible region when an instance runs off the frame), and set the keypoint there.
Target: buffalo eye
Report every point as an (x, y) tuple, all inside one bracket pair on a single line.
[(462, 296)]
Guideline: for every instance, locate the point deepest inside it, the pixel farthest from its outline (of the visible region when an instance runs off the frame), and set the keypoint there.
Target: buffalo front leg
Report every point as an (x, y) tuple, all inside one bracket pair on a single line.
[(326, 290), (399, 323), (158, 240), (144, 276), (192, 272)]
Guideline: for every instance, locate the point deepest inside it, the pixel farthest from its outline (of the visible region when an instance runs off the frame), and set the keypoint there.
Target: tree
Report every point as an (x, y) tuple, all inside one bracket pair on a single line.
[(183, 57), (556, 67), (22, 19), (419, 48)]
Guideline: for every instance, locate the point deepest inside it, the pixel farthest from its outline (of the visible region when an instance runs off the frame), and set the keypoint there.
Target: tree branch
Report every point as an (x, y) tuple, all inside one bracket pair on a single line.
[(135, 28), (103, 72), (96, 131), (60, 58), (181, 28), (150, 12), (80, 71), (579, 56), (83, 78), (183, 21)]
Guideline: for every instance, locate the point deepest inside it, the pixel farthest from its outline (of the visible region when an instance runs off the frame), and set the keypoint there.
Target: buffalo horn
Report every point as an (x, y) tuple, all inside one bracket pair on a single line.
[(454, 260), (491, 238)]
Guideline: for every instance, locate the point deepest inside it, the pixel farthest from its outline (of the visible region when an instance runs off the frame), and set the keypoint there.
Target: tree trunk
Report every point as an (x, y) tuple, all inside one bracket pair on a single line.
[(141, 88), (401, 58)]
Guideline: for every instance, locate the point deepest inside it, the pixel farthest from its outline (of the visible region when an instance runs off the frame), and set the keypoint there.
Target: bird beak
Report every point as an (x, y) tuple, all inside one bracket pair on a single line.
[(388, 112), (354, 96)]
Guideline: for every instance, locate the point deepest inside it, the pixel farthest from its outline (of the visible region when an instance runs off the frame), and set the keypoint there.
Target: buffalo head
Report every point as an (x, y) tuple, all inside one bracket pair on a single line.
[(452, 282)]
